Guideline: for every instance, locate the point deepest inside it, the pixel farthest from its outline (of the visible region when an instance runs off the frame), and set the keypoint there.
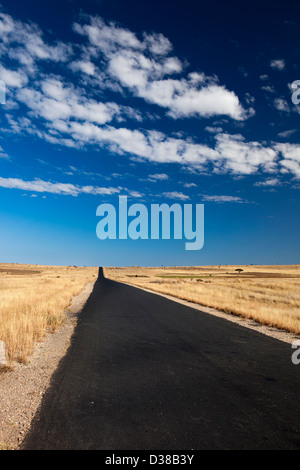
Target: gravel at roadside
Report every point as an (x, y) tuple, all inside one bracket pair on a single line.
[(23, 387)]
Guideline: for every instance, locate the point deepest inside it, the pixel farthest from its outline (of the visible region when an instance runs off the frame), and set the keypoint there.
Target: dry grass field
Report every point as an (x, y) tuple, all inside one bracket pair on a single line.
[(33, 300), (267, 294)]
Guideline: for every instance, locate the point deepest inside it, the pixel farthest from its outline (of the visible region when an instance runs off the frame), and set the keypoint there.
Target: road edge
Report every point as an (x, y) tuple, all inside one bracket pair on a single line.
[(275, 333)]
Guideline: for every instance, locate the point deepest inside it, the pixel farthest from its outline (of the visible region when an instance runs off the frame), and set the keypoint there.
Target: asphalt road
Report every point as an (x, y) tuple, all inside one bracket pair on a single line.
[(146, 373)]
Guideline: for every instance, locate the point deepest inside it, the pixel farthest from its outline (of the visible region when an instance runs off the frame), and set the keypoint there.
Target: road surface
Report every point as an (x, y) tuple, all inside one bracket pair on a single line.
[(146, 373)]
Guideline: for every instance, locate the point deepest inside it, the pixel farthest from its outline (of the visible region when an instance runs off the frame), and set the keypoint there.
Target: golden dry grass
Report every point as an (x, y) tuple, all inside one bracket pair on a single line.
[(33, 300), (267, 294)]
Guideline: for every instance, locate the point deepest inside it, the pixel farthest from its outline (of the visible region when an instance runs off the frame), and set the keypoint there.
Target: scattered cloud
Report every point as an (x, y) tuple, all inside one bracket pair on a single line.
[(58, 103), (176, 195), (278, 64), (29, 45), (214, 130), (230, 154), (222, 198), (3, 154), (242, 157), (190, 185), (12, 78), (144, 66), (287, 133), (281, 105), (291, 158), (84, 66), (158, 177), (268, 182), (41, 186), (268, 88)]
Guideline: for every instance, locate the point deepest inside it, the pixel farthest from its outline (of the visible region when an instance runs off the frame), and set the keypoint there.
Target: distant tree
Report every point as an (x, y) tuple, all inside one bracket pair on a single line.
[(239, 270)]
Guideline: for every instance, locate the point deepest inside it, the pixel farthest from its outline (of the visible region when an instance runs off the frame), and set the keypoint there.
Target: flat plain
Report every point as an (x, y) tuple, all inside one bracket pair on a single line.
[(33, 299), (269, 295)]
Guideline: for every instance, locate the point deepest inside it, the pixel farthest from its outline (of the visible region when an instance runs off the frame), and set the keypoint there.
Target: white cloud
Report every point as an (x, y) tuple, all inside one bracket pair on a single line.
[(41, 186), (12, 78), (181, 97), (84, 66), (176, 195), (278, 64), (144, 67), (268, 182), (6, 25), (243, 157), (152, 145), (124, 67), (231, 153), (69, 116), (209, 101), (222, 198), (24, 43), (287, 133), (56, 102), (136, 194), (158, 177), (291, 158), (291, 166), (281, 105), (43, 106), (268, 88), (290, 151), (157, 44), (214, 130), (107, 38), (3, 154)]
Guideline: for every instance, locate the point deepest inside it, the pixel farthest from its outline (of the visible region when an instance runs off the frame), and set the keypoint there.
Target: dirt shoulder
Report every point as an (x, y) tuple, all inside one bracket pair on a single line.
[(22, 388)]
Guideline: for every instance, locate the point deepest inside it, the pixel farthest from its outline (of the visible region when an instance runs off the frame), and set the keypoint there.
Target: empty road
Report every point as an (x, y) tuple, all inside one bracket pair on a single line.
[(146, 373)]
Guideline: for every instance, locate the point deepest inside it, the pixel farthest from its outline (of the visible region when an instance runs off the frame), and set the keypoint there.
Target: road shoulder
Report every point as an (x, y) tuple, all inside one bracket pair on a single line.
[(23, 387), (276, 333)]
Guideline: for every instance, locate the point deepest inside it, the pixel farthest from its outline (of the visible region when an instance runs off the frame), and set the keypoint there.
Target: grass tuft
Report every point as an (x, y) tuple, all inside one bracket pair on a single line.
[(33, 301)]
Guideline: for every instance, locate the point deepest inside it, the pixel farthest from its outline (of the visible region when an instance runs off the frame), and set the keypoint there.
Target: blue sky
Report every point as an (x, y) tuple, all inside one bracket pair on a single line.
[(165, 102)]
